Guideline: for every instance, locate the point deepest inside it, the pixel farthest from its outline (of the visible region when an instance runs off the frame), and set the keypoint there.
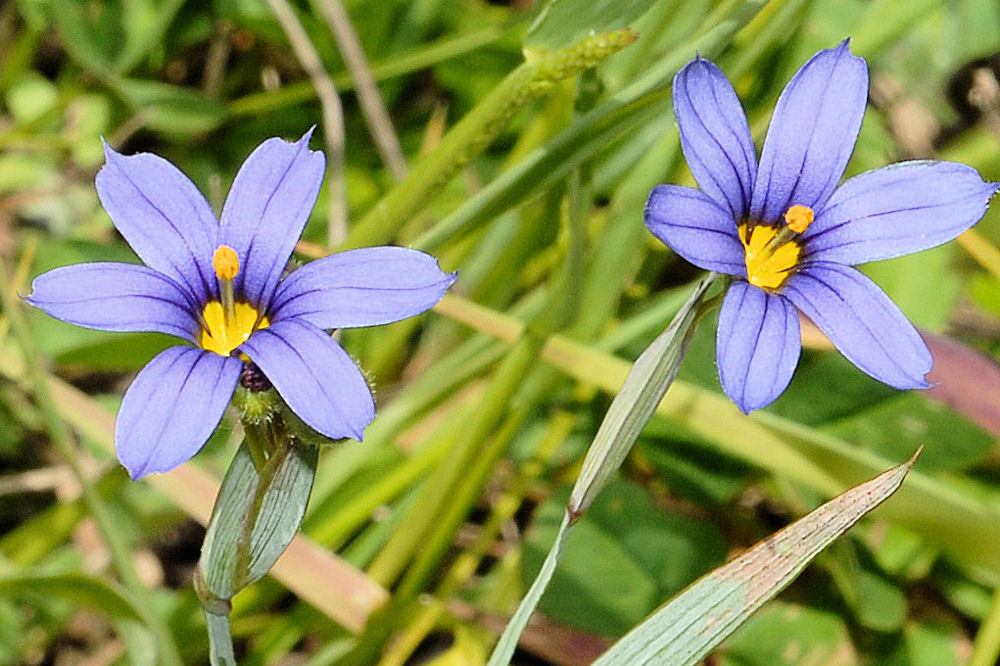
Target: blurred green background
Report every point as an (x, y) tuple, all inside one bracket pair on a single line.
[(528, 175)]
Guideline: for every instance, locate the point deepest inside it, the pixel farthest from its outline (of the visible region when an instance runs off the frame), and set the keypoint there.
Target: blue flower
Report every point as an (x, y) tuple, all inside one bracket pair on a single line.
[(218, 286), (789, 236)]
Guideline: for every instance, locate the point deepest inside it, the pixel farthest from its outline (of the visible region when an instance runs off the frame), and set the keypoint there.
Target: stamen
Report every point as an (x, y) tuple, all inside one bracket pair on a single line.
[(227, 266), (225, 262), (770, 257), (798, 218)]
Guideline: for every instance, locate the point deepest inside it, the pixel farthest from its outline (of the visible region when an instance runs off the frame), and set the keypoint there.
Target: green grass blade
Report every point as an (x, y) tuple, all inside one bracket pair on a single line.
[(706, 613)]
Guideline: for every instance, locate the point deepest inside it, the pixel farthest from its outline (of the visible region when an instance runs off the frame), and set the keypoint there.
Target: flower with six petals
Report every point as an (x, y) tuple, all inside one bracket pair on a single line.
[(789, 236), (218, 286)]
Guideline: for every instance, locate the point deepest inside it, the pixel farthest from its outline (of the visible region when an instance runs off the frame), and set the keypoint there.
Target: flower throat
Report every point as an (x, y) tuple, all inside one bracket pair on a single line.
[(772, 253), (228, 324)]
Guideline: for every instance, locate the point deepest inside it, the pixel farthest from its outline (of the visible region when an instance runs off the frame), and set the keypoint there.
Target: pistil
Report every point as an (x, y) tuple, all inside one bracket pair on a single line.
[(771, 252), (227, 266)]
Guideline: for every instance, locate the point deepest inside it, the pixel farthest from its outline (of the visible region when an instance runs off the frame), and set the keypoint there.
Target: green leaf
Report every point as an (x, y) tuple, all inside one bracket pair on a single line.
[(172, 110), (630, 411), (893, 427), (932, 643), (644, 387), (710, 610), (621, 544), (78, 588), (790, 635), (563, 22), (230, 557)]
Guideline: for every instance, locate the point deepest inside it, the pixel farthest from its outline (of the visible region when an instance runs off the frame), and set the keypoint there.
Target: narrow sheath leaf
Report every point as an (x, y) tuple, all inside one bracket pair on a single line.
[(644, 387), (274, 518), (702, 616)]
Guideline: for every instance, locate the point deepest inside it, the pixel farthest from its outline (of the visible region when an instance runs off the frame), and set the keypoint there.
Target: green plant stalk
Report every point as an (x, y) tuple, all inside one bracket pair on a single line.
[(419, 58), (220, 639), (986, 647), (437, 495), (62, 440), (508, 641), (455, 511), (462, 481), (468, 561), (437, 490), (593, 130), (255, 444), (477, 130), (359, 508)]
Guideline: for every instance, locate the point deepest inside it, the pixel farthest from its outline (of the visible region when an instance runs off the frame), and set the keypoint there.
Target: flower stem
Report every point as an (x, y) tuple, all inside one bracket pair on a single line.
[(220, 639), (986, 647)]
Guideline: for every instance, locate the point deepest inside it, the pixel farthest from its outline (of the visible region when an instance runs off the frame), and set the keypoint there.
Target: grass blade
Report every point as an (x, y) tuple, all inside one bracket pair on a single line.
[(706, 613)]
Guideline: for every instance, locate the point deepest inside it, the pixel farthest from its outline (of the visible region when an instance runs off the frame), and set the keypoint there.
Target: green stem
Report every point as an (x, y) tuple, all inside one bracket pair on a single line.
[(62, 439), (477, 130), (220, 639), (986, 648)]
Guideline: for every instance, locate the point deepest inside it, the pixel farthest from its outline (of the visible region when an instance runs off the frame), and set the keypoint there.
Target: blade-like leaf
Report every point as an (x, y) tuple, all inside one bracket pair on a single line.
[(630, 411), (706, 613), (274, 518), (644, 387)]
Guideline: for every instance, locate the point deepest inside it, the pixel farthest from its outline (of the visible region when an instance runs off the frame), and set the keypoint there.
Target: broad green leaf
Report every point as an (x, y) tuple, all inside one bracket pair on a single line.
[(923, 285), (933, 642), (172, 110), (89, 31), (78, 588), (706, 613), (894, 426), (790, 635), (621, 544), (31, 98)]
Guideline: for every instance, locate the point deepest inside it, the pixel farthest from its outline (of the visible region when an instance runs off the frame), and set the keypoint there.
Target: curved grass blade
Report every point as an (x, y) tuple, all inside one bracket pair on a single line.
[(706, 613), (630, 411)]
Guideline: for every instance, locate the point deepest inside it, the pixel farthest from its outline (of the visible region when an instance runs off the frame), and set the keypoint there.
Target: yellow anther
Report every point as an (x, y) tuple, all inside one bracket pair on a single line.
[(223, 335), (798, 218), (225, 262), (770, 259)]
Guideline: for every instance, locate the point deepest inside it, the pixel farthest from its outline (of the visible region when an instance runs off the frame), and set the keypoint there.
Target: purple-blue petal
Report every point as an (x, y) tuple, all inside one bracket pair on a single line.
[(115, 297), (315, 376), (163, 217), (863, 323), (172, 407), (364, 287), (266, 210), (896, 210), (757, 344), (695, 226), (812, 134), (715, 136)]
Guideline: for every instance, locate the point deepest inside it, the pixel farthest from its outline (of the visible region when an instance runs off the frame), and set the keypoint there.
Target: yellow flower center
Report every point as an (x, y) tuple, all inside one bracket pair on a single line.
[(228, 324), (223, 337), (772, 252)]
